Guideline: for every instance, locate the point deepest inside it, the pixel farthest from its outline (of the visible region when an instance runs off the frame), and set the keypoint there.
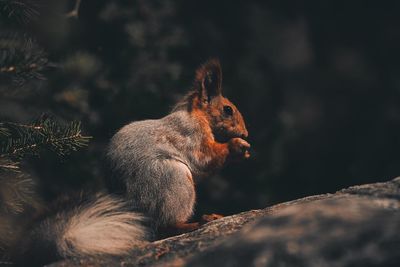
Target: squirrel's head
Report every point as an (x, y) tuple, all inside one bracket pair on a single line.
[(224, 118)]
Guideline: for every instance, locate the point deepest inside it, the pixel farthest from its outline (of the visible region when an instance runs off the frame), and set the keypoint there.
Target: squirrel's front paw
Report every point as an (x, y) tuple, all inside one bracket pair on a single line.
[(239, 148)]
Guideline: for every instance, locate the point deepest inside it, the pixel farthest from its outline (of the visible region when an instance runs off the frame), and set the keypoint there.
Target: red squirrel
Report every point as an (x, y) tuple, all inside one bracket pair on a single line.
[(156, 163)]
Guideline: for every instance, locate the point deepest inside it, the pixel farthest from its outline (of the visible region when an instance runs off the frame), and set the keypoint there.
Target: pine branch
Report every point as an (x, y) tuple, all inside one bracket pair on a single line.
[(43, 134), (23, 11), (8, 165), (4, 132), (21, 59), (17, 192)]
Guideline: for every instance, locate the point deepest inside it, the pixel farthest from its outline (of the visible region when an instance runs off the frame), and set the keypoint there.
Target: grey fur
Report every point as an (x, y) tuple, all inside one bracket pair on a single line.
[(154, 160)]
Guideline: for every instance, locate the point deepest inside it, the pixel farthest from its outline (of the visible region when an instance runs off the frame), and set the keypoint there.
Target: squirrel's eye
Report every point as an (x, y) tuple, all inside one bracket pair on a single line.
[(228, 111)]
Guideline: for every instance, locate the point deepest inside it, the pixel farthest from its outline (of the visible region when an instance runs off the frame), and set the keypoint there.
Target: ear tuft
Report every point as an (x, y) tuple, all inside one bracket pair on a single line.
[(209, 79)]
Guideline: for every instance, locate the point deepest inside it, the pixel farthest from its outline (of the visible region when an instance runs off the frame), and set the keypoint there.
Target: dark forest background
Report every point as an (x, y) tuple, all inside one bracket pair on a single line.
[(318, 83)]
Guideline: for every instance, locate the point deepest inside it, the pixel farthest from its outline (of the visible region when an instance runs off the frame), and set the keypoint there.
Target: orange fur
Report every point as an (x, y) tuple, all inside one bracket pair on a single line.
[(211, 152)]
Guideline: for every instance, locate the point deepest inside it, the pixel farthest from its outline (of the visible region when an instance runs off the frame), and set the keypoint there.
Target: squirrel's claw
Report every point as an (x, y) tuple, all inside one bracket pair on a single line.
[(239, 148)]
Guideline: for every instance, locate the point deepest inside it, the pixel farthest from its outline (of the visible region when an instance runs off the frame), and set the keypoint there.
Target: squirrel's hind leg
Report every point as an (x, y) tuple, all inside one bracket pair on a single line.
[(176, 194)]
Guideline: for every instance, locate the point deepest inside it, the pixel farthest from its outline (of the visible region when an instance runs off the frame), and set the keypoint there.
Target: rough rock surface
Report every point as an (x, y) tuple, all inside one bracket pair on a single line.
[(357, 226)]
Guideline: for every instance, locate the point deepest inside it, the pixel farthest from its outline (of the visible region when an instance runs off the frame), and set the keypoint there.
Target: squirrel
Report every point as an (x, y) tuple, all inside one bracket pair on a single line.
[(155, 165)]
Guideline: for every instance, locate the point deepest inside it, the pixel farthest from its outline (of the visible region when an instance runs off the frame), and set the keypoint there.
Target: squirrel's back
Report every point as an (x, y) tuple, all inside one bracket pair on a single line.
[(135, 145)]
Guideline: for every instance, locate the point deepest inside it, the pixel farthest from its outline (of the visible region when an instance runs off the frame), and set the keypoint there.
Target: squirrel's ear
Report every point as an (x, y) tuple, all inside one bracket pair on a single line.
[(209, 80)]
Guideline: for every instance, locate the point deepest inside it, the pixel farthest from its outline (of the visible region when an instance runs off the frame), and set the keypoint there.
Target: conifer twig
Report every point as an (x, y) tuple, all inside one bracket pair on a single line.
[(8, 165), (47, 133), (21, 59), (18, 191), (22, 10)]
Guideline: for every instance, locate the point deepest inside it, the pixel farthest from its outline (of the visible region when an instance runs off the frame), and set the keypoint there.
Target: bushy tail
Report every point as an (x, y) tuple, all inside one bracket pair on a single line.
[(101, 225)]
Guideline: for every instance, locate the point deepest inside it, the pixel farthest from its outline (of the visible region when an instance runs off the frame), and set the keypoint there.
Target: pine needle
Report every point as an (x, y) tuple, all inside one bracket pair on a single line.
[(17, 192), (21, 59), (23, 11), (46, 133)]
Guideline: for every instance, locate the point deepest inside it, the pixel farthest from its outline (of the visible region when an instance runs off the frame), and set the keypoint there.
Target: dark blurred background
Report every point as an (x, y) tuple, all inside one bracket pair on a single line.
[(318, 83)]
